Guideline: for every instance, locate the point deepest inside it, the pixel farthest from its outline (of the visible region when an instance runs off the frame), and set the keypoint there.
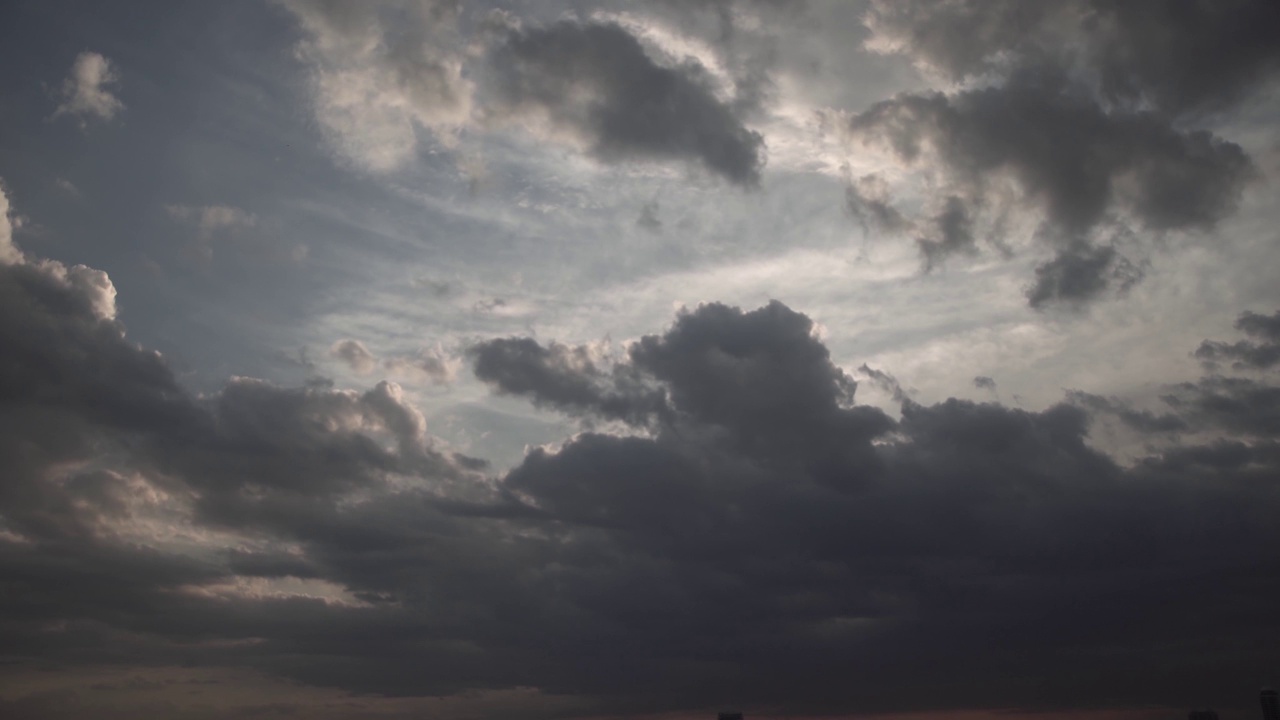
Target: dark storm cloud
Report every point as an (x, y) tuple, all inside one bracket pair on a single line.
[(766, 539), (596, 81), (1176, 56), (1261, 352), (1000, 519)]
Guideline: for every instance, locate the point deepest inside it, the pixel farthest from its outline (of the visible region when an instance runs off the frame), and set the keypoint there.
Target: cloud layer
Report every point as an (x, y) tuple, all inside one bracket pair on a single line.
[(746, 530)]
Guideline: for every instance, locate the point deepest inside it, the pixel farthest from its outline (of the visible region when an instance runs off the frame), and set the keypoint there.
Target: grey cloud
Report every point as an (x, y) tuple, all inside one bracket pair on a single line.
[(982, 382), (1266, 327), (1185, 56), (1140, 420), (766, 538), (1175, 56), (1080, 274), (1069, 156), (1074, 162), (1239, 405), (867, 199), (595, 81), (563, 377), (998, 492), (960, 39), (953, 233), (649, 219), (885, 382), (1080, 118), (1262, 352)]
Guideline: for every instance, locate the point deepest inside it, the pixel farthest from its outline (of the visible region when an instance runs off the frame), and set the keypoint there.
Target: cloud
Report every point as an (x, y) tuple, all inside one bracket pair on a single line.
[(1140, 420), (867, 200), (1261, 352), (751, 531), (210, 219), (382, 72), (1077, 114), (355, 355), (1244, 407), (595, 83), (1069, 157), (982, 382), (1080, 274), (649, 219), (9, 253), (745, 550), (1076, 166), (1178, 58), (570, 379), (221, 223), (430, 364), (85, 92)]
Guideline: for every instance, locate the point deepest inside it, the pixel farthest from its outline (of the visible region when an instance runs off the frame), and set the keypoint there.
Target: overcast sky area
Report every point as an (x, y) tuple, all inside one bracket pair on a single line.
[(574, 359)]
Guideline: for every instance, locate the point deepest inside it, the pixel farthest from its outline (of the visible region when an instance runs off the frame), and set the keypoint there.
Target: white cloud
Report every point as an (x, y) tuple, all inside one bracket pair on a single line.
[(211, 218), (380, 73), (431, 364), (9, 253), (93, 285), (355, 355), (85, 93), (68, 187)]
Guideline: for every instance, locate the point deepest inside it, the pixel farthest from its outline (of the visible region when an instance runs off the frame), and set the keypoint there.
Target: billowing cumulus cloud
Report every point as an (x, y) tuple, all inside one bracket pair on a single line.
[(87, 90), (756, 534), (830, 552), (595, 82)]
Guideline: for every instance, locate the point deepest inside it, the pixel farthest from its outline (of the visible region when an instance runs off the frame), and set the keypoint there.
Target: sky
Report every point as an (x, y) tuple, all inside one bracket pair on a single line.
[(572, 359)]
